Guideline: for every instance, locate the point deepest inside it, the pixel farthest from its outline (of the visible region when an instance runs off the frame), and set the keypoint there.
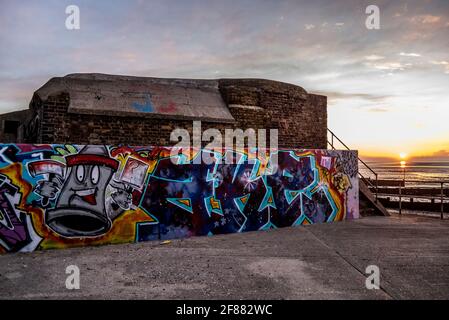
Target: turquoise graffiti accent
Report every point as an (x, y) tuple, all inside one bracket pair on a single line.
[(208, 202), (287, 174), (268, 200), (291, 195), (331, 202), (241, 202), (180, 203), (303, 217), (269, 225)]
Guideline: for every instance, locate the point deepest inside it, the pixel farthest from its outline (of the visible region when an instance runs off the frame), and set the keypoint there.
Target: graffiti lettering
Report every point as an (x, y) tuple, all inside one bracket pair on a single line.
[(68, 195)]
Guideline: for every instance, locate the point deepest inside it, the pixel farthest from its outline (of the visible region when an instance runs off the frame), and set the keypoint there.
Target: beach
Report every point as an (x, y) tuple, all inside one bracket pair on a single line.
[(417, 174)]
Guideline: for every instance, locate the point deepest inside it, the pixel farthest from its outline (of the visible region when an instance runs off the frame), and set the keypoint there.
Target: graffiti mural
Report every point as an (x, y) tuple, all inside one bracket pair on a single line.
[(56, 196)]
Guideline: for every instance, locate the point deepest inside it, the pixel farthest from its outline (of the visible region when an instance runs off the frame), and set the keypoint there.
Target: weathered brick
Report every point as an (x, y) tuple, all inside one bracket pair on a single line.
[(301, 118)]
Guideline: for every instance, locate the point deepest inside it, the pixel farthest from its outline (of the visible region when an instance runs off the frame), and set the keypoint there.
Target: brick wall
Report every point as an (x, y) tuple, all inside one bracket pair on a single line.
[(301, 118), (11, 126)]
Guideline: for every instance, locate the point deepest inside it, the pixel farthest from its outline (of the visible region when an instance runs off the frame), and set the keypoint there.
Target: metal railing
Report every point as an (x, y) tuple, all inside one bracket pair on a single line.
[(399, 189), (369, 182)]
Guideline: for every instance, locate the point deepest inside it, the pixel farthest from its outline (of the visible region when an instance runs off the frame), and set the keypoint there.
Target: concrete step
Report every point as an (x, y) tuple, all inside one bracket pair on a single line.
[(368, 198)]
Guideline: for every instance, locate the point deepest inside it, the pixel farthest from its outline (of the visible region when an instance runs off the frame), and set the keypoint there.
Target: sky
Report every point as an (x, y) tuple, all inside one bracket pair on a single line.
[(387, 89)]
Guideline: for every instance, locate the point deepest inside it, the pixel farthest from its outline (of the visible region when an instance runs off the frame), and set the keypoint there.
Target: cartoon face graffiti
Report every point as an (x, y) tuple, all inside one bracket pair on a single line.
[(80, 209)]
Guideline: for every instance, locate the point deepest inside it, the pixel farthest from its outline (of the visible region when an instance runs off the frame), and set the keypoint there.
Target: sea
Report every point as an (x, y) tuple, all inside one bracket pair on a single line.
[(417, 173), (411, 170)]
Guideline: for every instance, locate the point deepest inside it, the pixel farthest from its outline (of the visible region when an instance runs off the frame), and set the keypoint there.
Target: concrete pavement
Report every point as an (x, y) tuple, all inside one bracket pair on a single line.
[(323, 261)]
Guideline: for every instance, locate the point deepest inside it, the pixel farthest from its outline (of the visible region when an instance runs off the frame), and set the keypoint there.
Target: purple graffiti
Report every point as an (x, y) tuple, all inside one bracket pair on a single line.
[(13, 229)]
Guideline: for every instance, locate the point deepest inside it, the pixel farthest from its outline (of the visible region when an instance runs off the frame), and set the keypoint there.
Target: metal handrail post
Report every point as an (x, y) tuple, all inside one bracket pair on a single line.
[(442, 203), (377, 187)]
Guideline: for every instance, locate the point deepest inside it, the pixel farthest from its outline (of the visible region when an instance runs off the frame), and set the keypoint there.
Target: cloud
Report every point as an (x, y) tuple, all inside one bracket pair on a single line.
[(309, 26), (404, 54), (442, 63), (377, 110), (389, 66), (374, 57), (425, 19), (334, 95), (441, 153)]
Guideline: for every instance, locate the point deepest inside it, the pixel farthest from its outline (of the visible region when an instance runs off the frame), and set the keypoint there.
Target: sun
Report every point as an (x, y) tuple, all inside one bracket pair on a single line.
[(403, 155)]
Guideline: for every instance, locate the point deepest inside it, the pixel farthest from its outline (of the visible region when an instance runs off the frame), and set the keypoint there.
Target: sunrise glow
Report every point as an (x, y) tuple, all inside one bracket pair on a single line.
[(386, 91)]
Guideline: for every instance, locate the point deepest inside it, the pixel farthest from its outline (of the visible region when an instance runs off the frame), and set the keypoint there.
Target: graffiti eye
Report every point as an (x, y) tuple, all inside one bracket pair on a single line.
[(80, 173), (95, 174)]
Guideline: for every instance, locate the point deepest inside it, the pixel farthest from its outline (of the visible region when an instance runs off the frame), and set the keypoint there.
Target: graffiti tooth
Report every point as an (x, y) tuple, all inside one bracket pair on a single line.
[(85, 192)]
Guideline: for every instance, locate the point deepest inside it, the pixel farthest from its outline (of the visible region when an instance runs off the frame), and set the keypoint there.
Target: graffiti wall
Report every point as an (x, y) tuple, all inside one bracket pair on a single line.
[(57, 196)]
